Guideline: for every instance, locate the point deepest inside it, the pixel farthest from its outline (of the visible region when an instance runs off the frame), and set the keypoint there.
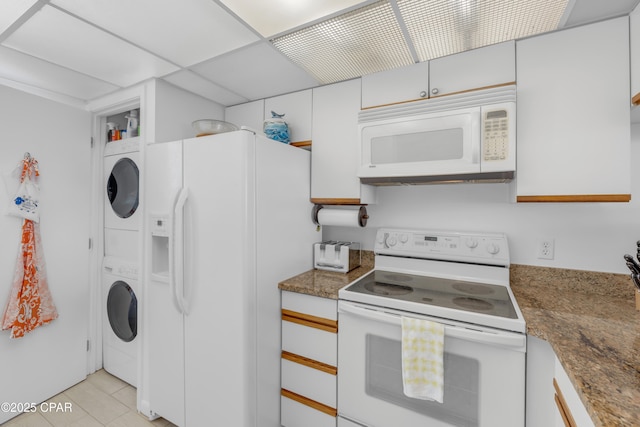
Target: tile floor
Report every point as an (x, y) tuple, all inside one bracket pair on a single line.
[(101, 400)]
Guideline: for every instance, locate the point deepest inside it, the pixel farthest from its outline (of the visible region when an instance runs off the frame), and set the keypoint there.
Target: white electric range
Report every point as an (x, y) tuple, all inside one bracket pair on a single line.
[(459, 279)]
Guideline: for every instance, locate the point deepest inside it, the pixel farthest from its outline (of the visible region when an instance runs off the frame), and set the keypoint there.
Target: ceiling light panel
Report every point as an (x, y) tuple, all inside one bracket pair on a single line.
[(59, 38), (363, 41), (444, 27), (277, 16), (11, 10), (185, 32)]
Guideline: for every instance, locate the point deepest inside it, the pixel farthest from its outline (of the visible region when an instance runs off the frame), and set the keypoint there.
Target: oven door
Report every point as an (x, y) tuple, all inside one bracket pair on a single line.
[(484, 373)]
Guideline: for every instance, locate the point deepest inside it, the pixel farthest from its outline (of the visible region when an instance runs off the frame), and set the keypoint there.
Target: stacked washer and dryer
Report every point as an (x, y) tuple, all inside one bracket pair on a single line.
[(120, 286)]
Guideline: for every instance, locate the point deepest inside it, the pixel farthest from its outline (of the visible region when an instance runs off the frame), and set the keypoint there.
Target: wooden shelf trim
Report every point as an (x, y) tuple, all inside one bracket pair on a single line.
[(636, 99), (305, 361), (578, 198), (321, 323), (308, 402), (567, 417), (301, 143), (327, 201)]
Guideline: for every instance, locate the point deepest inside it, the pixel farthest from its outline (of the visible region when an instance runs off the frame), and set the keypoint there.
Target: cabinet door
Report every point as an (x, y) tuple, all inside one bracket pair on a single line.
[(573, 133), (635, 55), (571, 403), (403, 84), (474, 69), (296, 108), (249, 114), (336, 146)]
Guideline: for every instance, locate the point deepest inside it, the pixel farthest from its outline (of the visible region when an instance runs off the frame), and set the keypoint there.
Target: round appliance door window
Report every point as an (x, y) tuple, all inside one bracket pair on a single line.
[(122, 309), (122, 187)]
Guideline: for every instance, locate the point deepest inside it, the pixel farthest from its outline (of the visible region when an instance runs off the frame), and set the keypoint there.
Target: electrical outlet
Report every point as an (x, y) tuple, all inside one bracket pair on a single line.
[(546, 248)]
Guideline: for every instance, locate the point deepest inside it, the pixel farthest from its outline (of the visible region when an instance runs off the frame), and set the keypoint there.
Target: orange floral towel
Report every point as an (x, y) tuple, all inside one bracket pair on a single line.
[(30, 304)]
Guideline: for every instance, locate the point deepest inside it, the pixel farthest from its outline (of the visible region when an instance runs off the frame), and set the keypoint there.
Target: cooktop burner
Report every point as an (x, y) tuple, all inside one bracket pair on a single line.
[(482, 298), (387, 288)]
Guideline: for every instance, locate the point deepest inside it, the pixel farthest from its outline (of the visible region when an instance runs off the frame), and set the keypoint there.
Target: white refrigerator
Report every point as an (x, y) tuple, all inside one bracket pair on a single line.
[(228, 217)]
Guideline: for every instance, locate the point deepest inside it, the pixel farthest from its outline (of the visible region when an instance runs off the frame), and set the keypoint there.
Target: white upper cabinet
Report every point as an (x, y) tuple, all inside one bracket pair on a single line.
[(296, 108), (573, 107), (336, 147), (404, 84), (635, 55), (250, 114), (474, 69)]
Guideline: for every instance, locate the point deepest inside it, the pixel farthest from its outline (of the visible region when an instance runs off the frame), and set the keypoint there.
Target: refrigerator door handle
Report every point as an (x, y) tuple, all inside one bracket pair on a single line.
[(176, 249)]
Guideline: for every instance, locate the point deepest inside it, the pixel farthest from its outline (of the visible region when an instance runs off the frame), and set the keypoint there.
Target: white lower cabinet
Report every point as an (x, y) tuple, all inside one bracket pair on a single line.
[(309, 361), (552, 401)]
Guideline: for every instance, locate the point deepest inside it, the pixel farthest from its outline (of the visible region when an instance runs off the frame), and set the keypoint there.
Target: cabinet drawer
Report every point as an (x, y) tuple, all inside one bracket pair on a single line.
[(308, 304), (310, 342), (309, 382), (296, 414)]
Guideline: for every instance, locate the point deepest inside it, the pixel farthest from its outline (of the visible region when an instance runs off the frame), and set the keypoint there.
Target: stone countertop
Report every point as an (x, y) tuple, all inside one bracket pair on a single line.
[(326, 284), (591, 322), (588, 318)]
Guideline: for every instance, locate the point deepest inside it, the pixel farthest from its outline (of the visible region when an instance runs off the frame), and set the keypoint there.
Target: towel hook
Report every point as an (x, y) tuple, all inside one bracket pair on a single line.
[(27, 156)]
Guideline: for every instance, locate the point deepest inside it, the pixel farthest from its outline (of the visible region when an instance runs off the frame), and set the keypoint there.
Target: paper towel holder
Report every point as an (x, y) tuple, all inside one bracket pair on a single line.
[(362, 215)]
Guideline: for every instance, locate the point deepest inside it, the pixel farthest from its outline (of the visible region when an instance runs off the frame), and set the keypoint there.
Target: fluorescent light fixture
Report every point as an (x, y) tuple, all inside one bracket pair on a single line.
[(363, 41), (444, 27), (384, 34)]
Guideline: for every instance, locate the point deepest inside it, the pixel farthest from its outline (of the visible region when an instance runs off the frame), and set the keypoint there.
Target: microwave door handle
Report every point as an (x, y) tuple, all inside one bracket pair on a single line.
[(516, 341)]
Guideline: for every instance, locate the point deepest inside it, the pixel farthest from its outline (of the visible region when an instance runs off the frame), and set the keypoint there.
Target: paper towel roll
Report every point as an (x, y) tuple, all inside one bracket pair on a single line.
[(342, 217)]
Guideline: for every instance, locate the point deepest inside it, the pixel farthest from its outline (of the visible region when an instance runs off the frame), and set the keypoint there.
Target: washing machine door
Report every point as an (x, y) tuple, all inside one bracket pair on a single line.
[(122, 310), (123, 187)]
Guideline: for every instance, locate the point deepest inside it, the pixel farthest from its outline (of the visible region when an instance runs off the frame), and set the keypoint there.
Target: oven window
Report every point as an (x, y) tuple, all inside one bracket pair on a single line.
[(461, 383)]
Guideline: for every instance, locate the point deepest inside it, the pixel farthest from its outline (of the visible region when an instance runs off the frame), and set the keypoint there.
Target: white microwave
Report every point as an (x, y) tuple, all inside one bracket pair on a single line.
[(457, 138)]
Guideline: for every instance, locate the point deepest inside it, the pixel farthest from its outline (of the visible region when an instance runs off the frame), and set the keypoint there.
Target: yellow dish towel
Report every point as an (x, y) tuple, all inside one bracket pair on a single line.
[(422, 359)]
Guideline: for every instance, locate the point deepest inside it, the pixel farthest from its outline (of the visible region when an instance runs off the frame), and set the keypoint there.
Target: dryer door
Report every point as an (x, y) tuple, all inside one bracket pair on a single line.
[(123, 187), (122, 310)]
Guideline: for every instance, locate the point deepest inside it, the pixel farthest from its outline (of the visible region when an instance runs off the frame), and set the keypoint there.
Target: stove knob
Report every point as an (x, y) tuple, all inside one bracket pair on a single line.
[(493, 249), (391, 241), (471, 242), (404, 238)]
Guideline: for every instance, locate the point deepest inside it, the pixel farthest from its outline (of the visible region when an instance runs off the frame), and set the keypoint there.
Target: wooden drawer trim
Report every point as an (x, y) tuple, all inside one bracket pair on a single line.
[(332, 370), (310, 321), (636, 99), (567, 417), (310, 403), (582, 198)]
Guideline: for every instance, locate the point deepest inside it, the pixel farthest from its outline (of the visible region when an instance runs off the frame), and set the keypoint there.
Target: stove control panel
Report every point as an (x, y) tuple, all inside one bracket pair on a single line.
[(490, 248)]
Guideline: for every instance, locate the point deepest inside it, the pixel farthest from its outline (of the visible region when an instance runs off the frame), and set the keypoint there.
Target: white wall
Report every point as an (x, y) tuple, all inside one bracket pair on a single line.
[(588, 236), (52, 357)]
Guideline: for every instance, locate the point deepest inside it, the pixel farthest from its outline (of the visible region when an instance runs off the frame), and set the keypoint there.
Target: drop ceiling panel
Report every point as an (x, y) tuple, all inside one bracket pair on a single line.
[(257, 71), (59, 38), (184, 32), (192, 82), (35, 72), (12, 10), (276, 16)]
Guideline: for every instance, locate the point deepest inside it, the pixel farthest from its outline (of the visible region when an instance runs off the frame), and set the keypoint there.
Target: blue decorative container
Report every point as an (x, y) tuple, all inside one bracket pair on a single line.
[(276, 128)]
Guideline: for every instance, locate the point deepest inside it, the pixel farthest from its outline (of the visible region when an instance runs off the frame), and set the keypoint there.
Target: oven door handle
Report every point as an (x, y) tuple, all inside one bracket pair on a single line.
[(505, 339)]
